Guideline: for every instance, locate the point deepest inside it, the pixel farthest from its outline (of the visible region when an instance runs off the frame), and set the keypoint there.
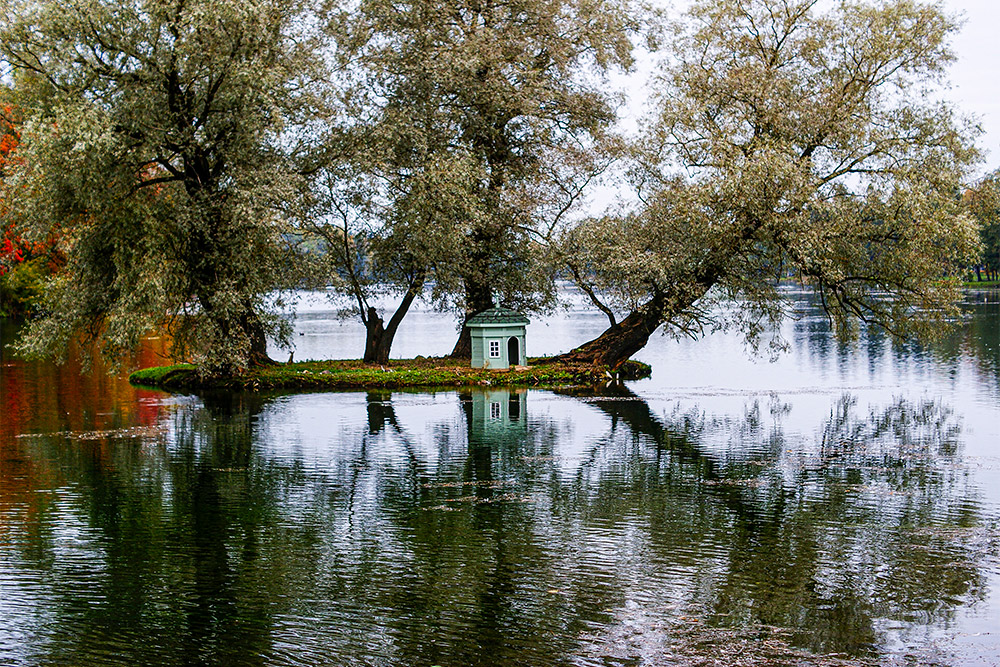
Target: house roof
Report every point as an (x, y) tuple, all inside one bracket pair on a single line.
[(498, 316)]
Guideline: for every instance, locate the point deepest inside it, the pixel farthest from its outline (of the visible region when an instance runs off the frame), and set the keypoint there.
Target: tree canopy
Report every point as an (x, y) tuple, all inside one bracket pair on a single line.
[(984, 204), (181, 148), (494, 105), (790, 141), (153, 138)]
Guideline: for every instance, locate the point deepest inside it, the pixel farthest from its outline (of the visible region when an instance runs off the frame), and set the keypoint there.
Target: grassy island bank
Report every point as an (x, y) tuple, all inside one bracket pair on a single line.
[(419, 372)]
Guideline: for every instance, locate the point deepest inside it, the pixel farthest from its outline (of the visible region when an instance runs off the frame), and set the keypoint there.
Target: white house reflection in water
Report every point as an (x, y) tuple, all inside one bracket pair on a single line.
[(498, 410)]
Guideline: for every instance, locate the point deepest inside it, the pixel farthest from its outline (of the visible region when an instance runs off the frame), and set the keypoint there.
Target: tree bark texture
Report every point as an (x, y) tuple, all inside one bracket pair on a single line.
[(247, 325), (621, 340), (478, 297), (254, 329)]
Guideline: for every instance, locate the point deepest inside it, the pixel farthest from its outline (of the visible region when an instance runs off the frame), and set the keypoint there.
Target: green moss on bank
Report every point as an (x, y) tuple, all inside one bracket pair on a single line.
[(158, 376), (420, 372)]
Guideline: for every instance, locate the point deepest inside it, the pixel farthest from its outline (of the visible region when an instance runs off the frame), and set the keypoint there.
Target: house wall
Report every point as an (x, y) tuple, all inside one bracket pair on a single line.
[(482, 334)]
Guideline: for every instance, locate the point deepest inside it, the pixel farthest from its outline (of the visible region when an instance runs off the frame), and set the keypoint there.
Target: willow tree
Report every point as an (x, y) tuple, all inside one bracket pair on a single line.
[(504, 88), (157, 149), (789, 141), (386, 223), (386, 185)]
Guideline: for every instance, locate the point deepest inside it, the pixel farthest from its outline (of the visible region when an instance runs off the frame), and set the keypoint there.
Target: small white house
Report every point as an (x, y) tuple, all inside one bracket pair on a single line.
[(498, 338)]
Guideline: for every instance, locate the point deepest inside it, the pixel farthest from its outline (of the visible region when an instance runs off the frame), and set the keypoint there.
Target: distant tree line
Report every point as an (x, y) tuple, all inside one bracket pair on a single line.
[(984, 203), (193, 163)]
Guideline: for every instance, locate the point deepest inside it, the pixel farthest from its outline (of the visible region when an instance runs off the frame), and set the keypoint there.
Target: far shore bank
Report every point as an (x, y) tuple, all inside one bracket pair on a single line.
[(419, 372)]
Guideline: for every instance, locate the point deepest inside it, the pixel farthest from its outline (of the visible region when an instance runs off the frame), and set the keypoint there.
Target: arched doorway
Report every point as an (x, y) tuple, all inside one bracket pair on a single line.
[(513, 351)]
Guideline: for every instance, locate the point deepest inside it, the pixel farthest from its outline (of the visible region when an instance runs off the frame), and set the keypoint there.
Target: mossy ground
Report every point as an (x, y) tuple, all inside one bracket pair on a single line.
[(419, 372)]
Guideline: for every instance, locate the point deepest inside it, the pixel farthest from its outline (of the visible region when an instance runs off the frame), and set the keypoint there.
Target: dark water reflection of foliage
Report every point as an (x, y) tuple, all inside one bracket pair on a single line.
[(974, 340), (241, 534)]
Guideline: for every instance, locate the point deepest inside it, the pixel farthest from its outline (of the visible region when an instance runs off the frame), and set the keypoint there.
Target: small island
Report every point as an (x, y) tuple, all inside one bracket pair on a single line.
[(418, 372)]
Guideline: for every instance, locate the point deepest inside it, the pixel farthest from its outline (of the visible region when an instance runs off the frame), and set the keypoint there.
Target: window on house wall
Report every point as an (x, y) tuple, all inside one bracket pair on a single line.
[(495, 411), (494, 349)]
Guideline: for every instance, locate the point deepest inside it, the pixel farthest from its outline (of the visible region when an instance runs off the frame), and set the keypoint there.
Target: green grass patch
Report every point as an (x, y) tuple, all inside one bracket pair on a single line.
[(981, 283), (419, 372), (158, 376)]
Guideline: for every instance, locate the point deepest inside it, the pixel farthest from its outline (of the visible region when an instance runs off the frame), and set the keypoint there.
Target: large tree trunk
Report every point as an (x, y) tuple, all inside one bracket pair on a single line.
[(254, 329), (619, 342), (376, 346), (478, 297), (378, 342), (246, 326), (208, 253)]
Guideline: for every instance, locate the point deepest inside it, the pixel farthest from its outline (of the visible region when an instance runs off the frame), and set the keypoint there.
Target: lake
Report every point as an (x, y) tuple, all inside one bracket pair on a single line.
[(839, 504)]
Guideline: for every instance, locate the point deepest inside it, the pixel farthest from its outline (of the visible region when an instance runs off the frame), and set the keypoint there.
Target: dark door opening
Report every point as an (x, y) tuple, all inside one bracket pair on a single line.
[(514, 407), (513, 352)]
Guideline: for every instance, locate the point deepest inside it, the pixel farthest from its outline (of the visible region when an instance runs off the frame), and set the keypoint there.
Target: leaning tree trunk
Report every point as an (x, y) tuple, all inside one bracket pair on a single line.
[(619, 342)]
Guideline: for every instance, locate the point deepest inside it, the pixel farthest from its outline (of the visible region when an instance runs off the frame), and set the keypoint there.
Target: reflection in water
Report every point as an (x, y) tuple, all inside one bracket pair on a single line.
[(831, 542), (484, 527), (697, 523), (974, 342)]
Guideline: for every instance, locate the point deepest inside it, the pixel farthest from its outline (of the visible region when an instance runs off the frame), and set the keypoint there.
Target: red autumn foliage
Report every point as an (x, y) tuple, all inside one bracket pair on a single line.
[(9, 136), (13, 249)]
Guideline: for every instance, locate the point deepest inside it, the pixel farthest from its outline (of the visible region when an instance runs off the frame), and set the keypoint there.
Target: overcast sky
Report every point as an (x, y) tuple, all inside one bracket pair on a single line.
[(976, 74)]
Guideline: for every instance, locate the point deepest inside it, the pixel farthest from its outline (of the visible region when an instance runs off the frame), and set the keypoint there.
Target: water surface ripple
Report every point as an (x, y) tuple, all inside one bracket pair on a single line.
[(838, 505)]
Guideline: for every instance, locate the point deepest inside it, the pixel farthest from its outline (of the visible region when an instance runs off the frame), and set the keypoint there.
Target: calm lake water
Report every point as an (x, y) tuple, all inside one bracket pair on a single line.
[(840, 504)]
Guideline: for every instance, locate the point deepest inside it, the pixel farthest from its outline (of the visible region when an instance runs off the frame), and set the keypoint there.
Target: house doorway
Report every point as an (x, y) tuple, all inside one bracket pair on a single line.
[(513, 352)]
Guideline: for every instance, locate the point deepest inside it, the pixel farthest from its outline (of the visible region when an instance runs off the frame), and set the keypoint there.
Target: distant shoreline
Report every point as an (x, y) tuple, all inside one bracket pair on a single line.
[(398, 373)]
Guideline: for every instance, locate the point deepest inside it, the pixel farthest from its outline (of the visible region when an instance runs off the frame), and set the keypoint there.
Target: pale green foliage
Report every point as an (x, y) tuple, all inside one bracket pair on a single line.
[(156, 152), (385, 227), (498, 105), (984, 204), (790, 141), (385, 198)]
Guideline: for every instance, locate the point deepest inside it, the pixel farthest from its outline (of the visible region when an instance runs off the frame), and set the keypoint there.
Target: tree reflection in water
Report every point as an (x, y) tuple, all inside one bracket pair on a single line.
[(872, 528), (973, 343), (501, 527)]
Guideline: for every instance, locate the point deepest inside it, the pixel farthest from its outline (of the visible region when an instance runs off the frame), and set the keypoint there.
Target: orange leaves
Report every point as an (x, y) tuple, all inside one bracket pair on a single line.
[(7, 144), (9, 135), (13, 249)]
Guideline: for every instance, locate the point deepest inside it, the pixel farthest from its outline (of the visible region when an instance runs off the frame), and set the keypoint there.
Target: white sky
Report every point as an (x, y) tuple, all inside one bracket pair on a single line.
[(976, 74)]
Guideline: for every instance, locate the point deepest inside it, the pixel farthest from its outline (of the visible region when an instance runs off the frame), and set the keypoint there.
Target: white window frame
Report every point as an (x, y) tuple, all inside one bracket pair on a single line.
[(494, 349), (496, 412)]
